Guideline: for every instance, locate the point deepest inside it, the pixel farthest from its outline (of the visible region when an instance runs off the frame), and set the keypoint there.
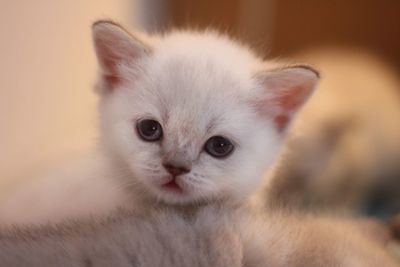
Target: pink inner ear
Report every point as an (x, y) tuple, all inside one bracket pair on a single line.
[(115, 47), (285, 91), (111, 80), (109, 61), (289, 103), (281, 121), (293, 99)]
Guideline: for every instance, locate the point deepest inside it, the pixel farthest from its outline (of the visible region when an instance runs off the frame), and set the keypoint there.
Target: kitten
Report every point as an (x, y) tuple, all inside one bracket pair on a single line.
[(186, 118), (214, 236)]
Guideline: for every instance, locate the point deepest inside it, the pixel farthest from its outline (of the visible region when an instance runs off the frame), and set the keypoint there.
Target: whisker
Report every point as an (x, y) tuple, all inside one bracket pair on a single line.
[(198, 175), (152, 165), (151, 170)]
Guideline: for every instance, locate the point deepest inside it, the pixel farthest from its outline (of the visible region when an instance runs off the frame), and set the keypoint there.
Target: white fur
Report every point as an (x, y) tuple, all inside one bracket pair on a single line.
[(196, 85), (214, 236), (195, 91)]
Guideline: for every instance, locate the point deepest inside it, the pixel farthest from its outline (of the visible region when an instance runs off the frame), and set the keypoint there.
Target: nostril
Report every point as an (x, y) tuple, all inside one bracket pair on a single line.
[(176, 170)]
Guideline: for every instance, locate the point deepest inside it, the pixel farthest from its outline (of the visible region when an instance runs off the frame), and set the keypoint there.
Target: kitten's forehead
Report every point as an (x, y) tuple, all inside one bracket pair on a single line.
[(197, 72), (207, 48), (192, 103), (196, 94)]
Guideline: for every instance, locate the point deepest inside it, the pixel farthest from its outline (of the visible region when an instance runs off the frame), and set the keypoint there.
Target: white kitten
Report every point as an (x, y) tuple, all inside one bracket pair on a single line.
[(186, 118)]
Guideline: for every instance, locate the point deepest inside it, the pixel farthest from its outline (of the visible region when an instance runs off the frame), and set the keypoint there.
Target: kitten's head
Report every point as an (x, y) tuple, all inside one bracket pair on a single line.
[(195, 116)]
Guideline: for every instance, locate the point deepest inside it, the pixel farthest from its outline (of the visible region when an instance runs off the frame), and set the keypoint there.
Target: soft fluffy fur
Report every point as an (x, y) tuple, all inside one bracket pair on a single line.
[(196, 85), (215, 236), (298, 240), (161, 238)]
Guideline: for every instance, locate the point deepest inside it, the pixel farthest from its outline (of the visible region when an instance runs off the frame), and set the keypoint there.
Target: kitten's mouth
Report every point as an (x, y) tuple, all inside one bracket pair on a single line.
[(172, 186)]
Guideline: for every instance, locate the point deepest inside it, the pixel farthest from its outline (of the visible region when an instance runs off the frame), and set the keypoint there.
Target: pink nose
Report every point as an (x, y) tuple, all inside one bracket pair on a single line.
[(176, 170)]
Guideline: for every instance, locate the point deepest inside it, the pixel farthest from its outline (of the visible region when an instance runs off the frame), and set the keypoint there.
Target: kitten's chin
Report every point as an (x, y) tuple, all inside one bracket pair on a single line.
[(174, 193)]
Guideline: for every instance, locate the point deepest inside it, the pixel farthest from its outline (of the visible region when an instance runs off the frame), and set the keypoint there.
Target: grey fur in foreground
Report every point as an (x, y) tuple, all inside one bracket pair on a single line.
[(214, 235), (126, 239)]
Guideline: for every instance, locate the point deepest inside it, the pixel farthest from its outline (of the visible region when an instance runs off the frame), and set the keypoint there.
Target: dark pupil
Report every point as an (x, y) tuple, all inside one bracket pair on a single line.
[(149, 130), (219, 146)]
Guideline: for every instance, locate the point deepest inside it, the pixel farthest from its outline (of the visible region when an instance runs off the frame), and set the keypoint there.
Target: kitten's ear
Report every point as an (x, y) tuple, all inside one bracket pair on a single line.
[(116, 47), (284, 91)]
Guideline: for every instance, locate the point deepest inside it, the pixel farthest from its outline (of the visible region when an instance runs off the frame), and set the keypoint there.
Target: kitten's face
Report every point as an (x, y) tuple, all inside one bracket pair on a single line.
[(190, 109), (187, 123)]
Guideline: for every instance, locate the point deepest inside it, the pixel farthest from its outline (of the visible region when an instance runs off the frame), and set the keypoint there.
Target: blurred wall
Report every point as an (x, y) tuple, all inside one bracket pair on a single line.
[(285, 27), (368, 24), (47, 70)]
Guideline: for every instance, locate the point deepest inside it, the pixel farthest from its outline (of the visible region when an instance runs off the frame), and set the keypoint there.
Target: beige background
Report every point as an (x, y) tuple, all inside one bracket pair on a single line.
[(47, 70)]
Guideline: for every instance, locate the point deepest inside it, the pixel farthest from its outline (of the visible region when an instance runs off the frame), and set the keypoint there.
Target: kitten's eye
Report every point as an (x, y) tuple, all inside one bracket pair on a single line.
[(218, 147), (149, 130)]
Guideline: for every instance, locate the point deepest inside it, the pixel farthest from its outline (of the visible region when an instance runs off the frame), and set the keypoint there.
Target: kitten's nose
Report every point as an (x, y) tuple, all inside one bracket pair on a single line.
[(176, 170)]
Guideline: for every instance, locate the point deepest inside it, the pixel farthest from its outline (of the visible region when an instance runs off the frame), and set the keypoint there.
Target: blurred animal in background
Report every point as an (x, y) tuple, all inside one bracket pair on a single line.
[(343, 152)]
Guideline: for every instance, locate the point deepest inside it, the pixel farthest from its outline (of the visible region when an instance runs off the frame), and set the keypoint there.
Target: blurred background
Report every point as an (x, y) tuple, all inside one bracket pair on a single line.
[(344, 151)]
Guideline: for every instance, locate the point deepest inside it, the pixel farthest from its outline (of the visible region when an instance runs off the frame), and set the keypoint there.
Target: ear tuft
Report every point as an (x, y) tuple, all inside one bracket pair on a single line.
[(115, 47), (284, 91)]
